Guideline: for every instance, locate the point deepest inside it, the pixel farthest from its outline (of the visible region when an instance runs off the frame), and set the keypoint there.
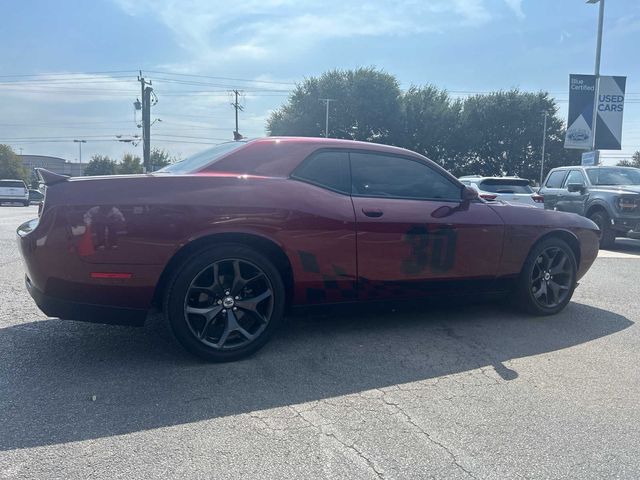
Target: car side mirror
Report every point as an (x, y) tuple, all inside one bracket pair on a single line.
[(469, 194), (575, 187)]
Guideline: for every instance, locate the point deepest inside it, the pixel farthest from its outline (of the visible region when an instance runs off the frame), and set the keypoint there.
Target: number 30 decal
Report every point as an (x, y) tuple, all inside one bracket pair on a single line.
[(435, 249)]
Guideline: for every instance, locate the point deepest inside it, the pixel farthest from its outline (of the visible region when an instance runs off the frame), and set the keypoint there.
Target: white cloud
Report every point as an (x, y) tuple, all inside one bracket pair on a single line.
[(212, 31)]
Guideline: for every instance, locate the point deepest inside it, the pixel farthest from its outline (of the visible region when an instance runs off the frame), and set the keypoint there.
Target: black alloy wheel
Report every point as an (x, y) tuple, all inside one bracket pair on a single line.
[(225, 302), (548, 278)]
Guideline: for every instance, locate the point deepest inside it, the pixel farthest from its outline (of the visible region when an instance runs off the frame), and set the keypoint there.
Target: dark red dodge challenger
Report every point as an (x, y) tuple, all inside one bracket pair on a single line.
[(226, 241)]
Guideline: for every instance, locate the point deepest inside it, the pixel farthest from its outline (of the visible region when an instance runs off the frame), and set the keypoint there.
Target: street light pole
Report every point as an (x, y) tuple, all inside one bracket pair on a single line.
[(326, 117), (80, 142), (597, 71), (544, 143)]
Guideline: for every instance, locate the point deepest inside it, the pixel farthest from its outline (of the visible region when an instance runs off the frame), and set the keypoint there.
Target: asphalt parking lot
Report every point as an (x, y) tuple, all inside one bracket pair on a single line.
[(472, 391)]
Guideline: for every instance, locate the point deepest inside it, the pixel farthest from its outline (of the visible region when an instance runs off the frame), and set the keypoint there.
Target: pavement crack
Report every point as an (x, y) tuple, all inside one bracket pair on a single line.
[(410, 421), (352, 447)]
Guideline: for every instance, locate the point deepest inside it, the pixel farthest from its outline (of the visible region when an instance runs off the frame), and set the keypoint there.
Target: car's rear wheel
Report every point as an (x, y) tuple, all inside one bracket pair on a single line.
[(607, 234), (548, 278), (225, 302)]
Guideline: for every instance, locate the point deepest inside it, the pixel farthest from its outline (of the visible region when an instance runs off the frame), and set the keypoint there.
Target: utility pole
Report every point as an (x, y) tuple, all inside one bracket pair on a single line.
[(80, 142), (326, 116), (544, 143), (146, 90), (236, 105), (597, 72)]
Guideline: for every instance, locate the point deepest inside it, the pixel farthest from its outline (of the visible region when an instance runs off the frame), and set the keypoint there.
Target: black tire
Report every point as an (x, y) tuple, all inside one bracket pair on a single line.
[(607, 234), (530, 296), (179, 298)]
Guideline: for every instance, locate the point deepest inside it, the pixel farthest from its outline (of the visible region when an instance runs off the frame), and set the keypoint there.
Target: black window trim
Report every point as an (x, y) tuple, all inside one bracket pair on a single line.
[(312, 155), (412, 159), (349, 151)]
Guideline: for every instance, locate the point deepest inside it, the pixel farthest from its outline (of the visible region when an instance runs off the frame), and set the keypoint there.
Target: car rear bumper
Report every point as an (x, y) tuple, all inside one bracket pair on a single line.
[(85, 312)]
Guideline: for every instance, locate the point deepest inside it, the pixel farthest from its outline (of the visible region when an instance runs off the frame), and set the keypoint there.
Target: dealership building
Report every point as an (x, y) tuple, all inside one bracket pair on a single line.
[(54, 164)]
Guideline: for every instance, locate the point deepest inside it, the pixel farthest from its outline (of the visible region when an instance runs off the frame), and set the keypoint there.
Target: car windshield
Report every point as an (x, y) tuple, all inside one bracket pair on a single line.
[(199, 160), (614, 176), (499, 185)]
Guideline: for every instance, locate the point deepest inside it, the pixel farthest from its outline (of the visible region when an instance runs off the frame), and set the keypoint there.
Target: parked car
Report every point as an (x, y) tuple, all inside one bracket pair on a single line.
[(507, 189), (610, 196), (228, 240), (35, 196), (14, 191)]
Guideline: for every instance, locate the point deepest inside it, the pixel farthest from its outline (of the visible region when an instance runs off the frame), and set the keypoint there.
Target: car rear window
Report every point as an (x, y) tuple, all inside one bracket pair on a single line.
[(498, 185), (555, 179), (12, 184), (199, 160)]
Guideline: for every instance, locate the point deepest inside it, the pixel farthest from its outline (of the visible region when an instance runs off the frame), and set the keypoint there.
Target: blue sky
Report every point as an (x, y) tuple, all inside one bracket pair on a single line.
[(460, 45)]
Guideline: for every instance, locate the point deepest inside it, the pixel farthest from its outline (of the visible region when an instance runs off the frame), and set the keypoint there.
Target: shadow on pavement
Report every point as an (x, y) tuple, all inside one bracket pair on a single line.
[(49, 370)]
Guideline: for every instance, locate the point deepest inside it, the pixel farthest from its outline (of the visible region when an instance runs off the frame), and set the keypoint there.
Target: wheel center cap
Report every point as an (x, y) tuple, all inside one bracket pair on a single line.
[(228, 302), (547, 276)]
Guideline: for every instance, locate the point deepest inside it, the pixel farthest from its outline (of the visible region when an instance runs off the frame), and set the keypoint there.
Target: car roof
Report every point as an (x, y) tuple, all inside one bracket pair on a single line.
[(338, 143)]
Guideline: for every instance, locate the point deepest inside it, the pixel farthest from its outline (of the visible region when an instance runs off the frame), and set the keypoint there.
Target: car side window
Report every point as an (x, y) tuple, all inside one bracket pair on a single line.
[(328, 169), (555, 179), (375, 175), (575, 176)]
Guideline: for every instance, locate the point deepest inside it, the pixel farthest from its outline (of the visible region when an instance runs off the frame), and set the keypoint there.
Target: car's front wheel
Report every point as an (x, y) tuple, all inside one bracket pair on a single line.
[(225, 302), (607, 234), (548, 278)]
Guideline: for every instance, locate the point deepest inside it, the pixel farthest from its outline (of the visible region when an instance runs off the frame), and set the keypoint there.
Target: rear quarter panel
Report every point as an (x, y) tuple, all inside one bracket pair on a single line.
[(95, 229)]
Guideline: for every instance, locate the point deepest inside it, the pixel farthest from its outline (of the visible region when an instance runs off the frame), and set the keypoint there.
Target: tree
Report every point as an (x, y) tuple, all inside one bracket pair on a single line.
[(503, 135), (159, 158), (365, 106), (129, 165), (101, 165), (11, 164), (431, 124), (634, 162)]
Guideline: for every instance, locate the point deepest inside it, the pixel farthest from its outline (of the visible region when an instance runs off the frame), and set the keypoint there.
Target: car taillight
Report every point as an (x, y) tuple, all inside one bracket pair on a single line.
[(538, 198), (488, 196)]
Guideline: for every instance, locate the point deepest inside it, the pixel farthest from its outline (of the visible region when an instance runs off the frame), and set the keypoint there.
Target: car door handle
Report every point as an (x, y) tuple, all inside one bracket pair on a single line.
[(372, 212)]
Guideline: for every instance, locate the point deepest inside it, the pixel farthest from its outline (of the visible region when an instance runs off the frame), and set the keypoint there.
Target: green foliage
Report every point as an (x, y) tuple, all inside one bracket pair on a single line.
[(366, 107), (129, 164), (159, 158), (11, 164), (495, 134), (101, 165), (634, 162), (502, 132)]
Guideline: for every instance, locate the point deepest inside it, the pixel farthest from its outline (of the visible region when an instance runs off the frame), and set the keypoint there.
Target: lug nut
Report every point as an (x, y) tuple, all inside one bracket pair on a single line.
[(235, 308), (224, 310), (219, 302), (227, 292), (237, 298)]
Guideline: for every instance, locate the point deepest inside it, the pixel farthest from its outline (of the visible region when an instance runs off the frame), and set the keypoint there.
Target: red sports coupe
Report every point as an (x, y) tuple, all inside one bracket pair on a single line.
[(226, 241)]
